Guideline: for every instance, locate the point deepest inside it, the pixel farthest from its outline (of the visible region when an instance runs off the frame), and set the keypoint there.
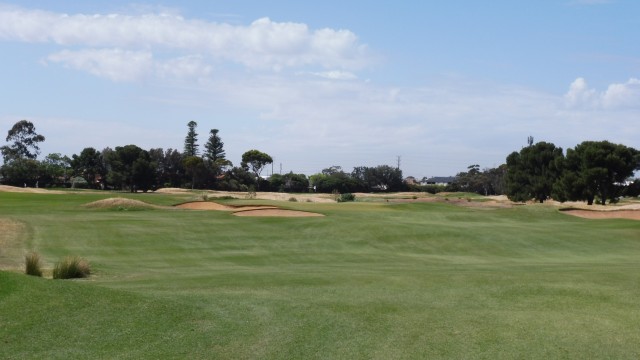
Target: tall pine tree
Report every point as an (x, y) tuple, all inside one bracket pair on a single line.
[(214, 148), (191, 141)]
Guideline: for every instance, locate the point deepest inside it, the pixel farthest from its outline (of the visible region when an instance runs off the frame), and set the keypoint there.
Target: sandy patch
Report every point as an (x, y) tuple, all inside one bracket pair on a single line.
[(114, 203), (248, 210), (278, 196), (14, 189), (608, 214), (276, 213), (209, 205)]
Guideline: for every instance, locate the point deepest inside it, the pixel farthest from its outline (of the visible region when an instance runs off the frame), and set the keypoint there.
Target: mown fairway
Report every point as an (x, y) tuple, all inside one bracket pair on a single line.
[(369, 280)]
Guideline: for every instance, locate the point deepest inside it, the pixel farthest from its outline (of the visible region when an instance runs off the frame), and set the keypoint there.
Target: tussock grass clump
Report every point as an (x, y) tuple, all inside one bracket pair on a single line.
[(33, 264), (120, 204), (72, 267)]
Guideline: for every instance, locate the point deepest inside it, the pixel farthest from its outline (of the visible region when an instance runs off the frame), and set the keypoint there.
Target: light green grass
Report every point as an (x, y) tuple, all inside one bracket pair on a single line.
[(369, 280)]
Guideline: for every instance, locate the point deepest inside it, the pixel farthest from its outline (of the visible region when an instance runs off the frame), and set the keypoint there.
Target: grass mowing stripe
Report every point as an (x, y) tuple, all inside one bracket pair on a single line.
[(369, 280)]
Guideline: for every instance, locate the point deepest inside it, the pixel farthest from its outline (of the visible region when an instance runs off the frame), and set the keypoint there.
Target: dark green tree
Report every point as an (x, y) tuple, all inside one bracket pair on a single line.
[(131, 167), (379, 178), (255, 161), (194, 166), (89, 165), (289, 182), (214, 148), (21, 171), (596, 169), (56, 170), (532, 172), (191, 140), (24, 142)]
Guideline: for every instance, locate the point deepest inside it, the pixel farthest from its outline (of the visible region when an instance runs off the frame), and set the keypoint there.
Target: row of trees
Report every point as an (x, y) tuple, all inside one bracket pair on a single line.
[(133, 168), (592, 171)]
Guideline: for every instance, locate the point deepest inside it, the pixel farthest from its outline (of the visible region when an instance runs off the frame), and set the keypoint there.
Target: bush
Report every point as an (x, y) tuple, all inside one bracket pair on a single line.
[(292, 199), (33, 265), (72, 267), (346, 197)]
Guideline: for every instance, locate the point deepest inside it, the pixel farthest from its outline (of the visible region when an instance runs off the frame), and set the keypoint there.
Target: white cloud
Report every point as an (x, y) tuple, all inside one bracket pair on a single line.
[(113, 64), (617, 96), (626, 95), (580, 94), (263, 44), (126, 66), (335, 75)]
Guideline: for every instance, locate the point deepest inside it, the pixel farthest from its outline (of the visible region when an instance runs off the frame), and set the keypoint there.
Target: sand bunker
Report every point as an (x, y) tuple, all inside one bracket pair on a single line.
[(203, 205), (208, 205), (120, 203), (248, 210), (276, 213), (609, 214)]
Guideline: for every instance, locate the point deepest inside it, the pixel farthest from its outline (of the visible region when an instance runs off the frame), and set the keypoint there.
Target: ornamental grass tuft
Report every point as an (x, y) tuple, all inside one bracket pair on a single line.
[(33, 264), (72, 267)]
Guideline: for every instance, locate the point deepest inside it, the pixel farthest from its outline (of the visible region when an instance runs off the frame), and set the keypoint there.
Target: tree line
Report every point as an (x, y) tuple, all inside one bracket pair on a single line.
[(132, 168), (593, 171)]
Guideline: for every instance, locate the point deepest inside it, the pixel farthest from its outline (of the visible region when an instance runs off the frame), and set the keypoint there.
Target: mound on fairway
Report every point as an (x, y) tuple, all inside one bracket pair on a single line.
[(120, 203)]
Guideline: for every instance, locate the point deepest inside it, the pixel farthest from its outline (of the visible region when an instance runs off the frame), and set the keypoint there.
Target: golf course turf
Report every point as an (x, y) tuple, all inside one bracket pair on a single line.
[(368, 280)]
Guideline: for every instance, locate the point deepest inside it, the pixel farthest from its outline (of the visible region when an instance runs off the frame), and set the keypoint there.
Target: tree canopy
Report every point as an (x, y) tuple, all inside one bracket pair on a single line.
[(256, 160), (24, 141), (596, 169), (532, 172)]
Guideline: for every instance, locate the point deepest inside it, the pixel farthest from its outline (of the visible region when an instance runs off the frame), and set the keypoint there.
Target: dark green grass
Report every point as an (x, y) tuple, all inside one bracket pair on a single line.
[(369, 280)]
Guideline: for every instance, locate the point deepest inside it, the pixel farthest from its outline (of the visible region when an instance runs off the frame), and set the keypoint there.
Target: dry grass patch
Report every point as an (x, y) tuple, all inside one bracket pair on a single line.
[(120, 204), (12, 234)]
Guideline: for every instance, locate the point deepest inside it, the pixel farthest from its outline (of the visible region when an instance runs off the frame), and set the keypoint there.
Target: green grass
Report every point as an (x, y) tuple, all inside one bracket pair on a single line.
[(368, 281)]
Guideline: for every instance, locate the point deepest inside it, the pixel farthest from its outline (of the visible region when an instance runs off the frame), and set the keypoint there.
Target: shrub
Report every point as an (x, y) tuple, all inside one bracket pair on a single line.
[(33, 265), (292, 199), (346, 197), (71, 267)]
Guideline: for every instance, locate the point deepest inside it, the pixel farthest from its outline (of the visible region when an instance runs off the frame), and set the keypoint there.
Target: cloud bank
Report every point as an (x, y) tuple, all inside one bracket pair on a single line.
[(617, 96), (107, 43)]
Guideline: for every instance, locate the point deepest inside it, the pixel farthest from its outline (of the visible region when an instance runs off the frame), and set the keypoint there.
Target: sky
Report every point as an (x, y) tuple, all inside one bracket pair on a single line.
[(434, 86)]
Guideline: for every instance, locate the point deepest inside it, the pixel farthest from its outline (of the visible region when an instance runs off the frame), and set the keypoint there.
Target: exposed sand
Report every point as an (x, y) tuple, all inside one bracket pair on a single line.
[(278, 196), (249, 210), (208, 205), (276, 213), (604, 214)]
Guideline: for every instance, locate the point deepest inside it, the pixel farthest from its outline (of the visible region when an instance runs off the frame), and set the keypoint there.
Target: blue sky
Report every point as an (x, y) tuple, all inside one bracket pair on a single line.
[(441, 84)]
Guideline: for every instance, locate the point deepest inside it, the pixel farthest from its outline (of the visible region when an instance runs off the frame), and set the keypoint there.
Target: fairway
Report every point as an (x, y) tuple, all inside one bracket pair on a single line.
[(368, 280)]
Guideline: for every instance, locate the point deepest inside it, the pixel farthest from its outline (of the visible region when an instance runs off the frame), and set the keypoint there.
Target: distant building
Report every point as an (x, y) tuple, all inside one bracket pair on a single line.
[(438, 180)]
